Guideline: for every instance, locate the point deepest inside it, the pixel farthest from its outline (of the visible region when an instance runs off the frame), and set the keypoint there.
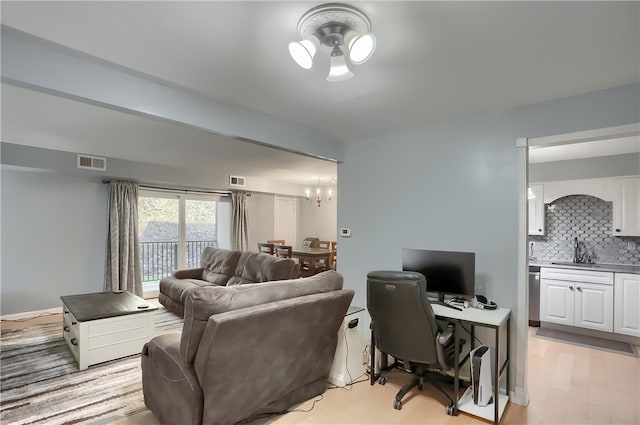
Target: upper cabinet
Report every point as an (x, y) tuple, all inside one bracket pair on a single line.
[(622, 192), (536, 210), (626, 207)]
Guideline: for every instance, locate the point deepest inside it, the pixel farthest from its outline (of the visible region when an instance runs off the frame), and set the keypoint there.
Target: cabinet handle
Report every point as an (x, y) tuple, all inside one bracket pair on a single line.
[(571, 288), (579, 289), (66, 312), (539, 230), (74, 341), (617, 230), (66, 328), (74, 323)]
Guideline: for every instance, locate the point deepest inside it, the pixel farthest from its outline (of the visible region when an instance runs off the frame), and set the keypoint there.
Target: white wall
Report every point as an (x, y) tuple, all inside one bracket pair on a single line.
[(53, 238), (260, 222), (320, 222)]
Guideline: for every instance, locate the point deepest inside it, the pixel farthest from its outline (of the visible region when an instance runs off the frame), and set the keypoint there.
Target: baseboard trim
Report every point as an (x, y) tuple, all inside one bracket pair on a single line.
[(31, 314), (519, 396)]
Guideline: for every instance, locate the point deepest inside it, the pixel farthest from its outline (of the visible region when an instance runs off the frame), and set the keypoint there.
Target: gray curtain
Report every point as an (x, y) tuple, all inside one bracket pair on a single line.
[(122, 268), (239, 230)]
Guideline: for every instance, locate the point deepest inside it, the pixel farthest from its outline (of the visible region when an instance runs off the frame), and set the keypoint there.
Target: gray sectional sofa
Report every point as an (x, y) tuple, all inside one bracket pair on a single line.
[(245, 350), (223, 267)]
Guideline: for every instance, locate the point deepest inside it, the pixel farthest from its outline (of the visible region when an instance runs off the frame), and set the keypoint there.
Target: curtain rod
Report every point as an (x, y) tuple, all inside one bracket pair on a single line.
[(176, 189)]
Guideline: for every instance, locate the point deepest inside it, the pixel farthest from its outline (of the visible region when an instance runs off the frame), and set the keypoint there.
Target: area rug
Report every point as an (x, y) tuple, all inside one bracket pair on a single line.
[(587, 341), (41, 383)]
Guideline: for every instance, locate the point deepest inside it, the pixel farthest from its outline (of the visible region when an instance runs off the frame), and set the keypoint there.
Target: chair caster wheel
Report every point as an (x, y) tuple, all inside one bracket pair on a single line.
[(397, 404), (382, 380), (449, 410)]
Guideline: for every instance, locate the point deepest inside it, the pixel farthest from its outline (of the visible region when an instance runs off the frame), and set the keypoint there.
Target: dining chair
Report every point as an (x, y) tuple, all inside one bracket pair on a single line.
[(265, 248), (276, 241), (324, 244), (283, 251), (325, 263), (332, 256)]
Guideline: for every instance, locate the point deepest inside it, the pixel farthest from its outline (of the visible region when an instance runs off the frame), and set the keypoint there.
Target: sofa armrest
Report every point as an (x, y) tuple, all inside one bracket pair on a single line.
[(188, 273)]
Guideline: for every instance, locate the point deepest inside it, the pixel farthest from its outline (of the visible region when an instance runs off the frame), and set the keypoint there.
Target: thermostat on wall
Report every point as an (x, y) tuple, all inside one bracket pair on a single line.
[(345, 232)]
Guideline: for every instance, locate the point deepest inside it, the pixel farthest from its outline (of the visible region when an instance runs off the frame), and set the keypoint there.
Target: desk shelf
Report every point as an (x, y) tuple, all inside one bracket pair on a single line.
[(465, 404), (496, 320)]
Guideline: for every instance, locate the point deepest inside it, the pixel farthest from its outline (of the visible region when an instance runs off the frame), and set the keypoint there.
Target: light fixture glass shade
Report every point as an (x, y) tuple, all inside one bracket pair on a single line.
[(339, 71), (361, 48), (303, 51)]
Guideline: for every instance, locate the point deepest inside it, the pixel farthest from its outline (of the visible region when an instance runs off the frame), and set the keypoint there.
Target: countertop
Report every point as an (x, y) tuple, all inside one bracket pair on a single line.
[(601, 267)]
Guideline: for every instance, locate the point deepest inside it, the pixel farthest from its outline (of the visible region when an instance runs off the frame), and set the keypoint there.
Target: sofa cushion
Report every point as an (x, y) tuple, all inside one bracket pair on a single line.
[(218, 264), (254, 267), (201, 303), (176, 289)]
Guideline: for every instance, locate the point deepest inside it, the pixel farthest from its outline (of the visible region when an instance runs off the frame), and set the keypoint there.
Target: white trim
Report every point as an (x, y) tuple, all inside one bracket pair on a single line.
[(522, 317), (31, 314), (587, 135), (519, 396)]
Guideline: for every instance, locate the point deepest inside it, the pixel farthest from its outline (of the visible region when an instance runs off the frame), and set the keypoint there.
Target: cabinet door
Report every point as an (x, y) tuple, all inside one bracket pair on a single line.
[(627, 304), (626, 207), (536, 210), (594, 306), (556, 301)]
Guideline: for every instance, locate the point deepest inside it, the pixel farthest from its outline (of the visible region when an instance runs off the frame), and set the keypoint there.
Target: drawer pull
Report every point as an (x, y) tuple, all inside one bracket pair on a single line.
[(66, 328), (74, 341), (617, 230), (74, 323), (579, 289), (571, 288), (66, 312)]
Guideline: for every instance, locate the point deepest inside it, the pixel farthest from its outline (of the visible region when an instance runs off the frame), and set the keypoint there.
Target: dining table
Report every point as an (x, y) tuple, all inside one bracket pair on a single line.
[(312, 257)]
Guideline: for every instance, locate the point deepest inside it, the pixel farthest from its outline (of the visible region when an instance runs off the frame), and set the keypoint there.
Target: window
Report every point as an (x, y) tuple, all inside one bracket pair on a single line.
[(174, 229)]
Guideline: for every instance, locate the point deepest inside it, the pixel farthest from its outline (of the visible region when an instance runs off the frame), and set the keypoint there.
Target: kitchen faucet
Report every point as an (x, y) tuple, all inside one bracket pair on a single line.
[(577, 258)]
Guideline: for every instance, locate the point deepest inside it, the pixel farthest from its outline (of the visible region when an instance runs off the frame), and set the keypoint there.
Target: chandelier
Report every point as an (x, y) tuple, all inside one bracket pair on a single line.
[(319, 198), (343, 30)]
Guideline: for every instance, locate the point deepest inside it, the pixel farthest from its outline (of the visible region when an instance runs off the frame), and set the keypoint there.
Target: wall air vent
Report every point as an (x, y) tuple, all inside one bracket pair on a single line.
[(237, 181), (92, 162)]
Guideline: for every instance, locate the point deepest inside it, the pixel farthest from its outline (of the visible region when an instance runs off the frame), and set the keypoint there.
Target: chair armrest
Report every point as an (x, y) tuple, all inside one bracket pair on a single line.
[(189, 273)]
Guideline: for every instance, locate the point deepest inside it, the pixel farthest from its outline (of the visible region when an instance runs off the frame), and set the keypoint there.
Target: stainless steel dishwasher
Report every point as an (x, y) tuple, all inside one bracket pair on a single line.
[(534, 296)]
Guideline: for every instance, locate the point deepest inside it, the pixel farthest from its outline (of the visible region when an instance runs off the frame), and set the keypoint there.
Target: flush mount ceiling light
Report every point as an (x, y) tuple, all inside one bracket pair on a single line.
[(344, 30)]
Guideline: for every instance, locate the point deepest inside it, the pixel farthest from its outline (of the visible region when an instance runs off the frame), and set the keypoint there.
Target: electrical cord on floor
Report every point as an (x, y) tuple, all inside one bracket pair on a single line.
[(303, 410)]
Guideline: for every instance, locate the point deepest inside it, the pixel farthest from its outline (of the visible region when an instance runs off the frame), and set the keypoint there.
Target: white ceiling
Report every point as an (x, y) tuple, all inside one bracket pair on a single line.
[(435, 61)]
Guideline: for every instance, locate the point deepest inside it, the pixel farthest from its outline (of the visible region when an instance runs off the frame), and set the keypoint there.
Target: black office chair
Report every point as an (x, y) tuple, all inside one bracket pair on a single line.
[(404, 326)]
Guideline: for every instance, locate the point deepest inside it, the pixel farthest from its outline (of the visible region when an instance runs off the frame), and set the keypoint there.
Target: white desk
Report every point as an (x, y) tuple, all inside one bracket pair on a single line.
[(494, 319)]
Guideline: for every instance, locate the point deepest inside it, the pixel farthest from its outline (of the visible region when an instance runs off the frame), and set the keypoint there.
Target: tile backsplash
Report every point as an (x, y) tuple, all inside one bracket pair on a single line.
[(589, 219)]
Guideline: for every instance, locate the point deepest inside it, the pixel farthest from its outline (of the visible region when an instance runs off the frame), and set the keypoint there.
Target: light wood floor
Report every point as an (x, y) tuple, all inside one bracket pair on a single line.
[(567, 385)]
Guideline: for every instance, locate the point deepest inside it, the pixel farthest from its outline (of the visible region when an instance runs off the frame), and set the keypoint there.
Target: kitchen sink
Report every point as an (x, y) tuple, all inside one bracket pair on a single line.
[(572, 264)]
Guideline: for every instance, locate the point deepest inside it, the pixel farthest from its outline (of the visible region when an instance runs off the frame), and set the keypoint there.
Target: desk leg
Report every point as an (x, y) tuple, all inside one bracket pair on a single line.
[(496, 377), (456, 368)]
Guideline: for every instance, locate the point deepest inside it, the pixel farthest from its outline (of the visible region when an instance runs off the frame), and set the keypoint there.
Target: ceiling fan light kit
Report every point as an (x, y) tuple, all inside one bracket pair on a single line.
[(343, 29)]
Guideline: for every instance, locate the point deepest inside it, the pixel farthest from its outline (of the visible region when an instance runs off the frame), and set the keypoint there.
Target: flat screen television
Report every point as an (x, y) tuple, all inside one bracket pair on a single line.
[(447, 272)]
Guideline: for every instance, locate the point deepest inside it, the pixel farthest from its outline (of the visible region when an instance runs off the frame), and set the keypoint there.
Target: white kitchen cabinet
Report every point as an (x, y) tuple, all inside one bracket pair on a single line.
[(556, 301), (626, 207), (627, 304), (536, 210), (577, 298), (594, 306)]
